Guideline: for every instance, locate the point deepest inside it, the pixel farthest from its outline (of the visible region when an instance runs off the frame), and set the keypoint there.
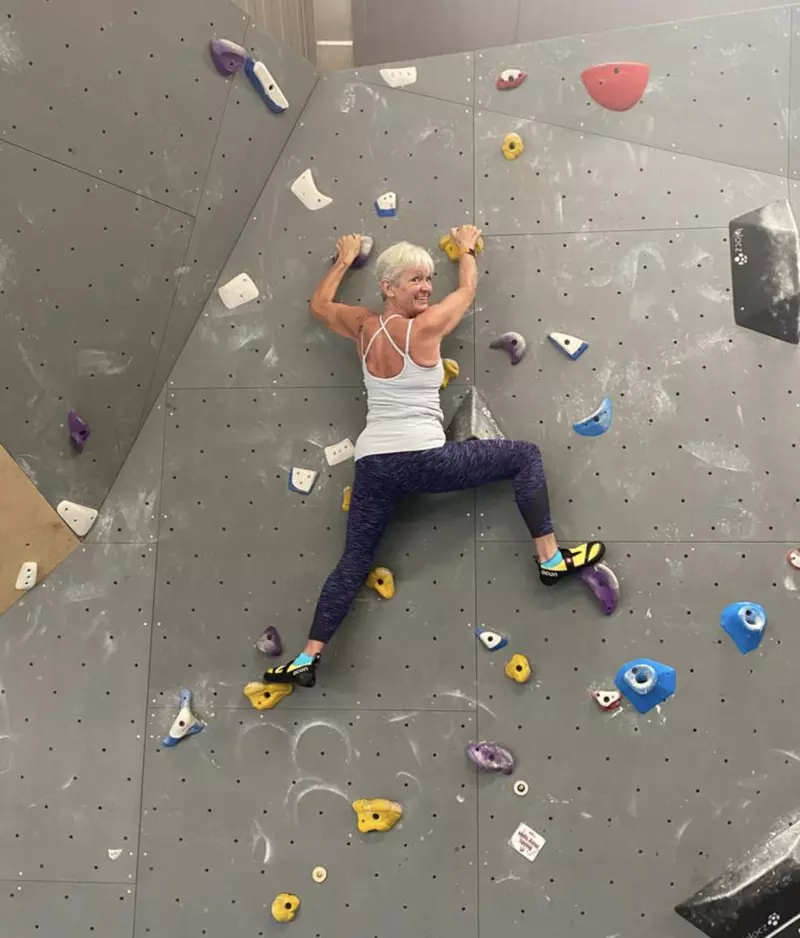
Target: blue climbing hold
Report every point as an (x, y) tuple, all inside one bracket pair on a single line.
[(491, 639), (597, 423), (646, 683), (265, 85), (745, 623), (185, 724)]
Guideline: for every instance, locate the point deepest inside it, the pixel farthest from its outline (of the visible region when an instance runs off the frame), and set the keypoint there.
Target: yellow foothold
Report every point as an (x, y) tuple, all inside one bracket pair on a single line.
[(512, 146), (377, 814), (347, 494), (382, 581), (518, 669), (452, 250), (284, 907), (266, 696), (451, 370)]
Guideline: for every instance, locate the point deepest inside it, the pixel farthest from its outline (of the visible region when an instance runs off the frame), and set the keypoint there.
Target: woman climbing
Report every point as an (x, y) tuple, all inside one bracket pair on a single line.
[(402, 450)]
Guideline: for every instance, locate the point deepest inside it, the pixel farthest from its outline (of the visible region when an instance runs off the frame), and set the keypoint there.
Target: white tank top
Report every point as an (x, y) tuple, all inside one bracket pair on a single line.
[(403, 412)]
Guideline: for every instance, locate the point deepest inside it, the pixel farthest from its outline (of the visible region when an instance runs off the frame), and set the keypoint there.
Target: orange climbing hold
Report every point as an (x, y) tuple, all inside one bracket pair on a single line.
[(616, 85)]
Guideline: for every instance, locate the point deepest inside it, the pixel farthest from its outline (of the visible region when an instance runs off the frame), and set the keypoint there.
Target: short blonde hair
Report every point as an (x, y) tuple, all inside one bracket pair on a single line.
[(402, 256)]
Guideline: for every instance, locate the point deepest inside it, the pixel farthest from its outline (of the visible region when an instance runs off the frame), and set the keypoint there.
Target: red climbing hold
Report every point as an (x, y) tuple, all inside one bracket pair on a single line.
[(616, 85)]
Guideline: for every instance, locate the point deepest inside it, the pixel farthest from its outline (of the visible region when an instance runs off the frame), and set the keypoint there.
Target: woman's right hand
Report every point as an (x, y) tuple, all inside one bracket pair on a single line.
[(348, 247), (466, 237)]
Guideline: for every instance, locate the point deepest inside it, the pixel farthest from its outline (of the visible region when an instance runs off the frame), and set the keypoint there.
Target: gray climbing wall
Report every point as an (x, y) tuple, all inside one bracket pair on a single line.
[(129, 167), (612, 227)]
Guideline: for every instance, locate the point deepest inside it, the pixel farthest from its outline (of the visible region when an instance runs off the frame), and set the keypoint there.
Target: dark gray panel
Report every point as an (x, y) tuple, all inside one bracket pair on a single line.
[(705, 412), (274, 340), (218, 846), (794, 116), (571, 181), (69, 910), (637, 810), (706, 84), (72, 718), (88, 275), (250, 141), (448, 77), (126, 92)]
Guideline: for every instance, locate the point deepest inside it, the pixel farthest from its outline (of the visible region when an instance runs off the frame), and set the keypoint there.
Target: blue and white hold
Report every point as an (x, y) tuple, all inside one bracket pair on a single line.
[(386, 205), (745, 623), (646, 683), (267, 88), (185, 724), (597, 423)]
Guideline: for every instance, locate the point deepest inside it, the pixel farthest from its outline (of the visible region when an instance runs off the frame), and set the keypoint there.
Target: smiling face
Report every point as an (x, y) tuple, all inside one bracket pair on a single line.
[(410, 292)]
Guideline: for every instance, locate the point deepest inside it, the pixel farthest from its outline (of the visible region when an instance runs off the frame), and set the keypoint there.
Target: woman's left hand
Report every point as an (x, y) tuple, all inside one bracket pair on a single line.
[(348, 247)]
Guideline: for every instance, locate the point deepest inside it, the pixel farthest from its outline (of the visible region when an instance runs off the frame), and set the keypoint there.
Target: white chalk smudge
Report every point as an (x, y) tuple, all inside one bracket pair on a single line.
[(271, 357), (789, 583), (789, 753), (712, 454), (109, 646), (257, 835), (682, 830), (244, 335), (100, 361), (511, 877), (317, 786), (327, 724), (10, 52), (401, 717), (415, 750), (460, 695)]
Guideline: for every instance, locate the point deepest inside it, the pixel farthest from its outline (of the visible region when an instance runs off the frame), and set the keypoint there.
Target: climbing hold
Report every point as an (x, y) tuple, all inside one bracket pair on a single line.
[(745, 623), (79, 430), (491, 640), (364, 251), (269, 642), (448, 244), (381, 579), (527, 842), (302, 480), (284, 907), (228, 57), (78, 517), (518, 669), (399, 77), (513, 343), (570, 345), (510, 78), (319, 874), (377, 814), (386, 205), (266, 87), (237, 291), (185, 723), (597, 423), (607, 699), (512, 146), (114, 853), (266, 696), (521, 788), (793, 558), (646, 683), (492, 757), (616, 85), (473, 421), (347, 494), (451, 370), (604, 585), (26, 578), (339, 452), (306, 190)]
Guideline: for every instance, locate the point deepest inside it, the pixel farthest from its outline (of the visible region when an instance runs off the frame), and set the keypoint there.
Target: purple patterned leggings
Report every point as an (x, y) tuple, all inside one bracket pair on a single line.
[(381, 481)]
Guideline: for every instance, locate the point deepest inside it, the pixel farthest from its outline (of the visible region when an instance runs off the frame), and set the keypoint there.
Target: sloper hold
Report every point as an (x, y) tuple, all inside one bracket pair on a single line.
[(597, 423), (377, 814), (302, 480), (381, 579), (238, 291), (269, 642), (26, 578), (266, 87), (228, 57), (572, 346), (79, 430), (185, 724), (513, 344), (473, 421), (306, 190), (399, 77), (513, 146), (451, 370), (284, 907), (491, 757), (518, 669), (266, 696), (510, 78), (745, 623), (490, 639), (448, 244), (617, 86), (603, 584), (386, 205), (78, 517), (367, 243), (646, 683), (765, 254)]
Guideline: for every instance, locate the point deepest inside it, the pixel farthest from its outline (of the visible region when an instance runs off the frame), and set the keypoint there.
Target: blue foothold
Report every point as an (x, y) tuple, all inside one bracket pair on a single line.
[(265, 85), (646, 683), (186, 724), (745, 623), (597, 423), (490, 639)]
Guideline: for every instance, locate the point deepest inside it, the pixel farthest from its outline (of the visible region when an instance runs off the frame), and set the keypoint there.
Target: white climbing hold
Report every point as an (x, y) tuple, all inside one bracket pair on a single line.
[(339, 452), (185, 723), (386, 205), (237, 291), (78, 517), (26, 578), (521, 788), (607, 699), (572, 346), (399, 77), (115, 853), (302, 480), (306, 190), (319, 874), (491, 639), (266, 87)]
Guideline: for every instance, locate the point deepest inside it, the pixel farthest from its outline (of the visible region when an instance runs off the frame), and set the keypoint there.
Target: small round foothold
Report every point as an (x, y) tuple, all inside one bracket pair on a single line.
[(793, 559), (319, 874), (521, 788)]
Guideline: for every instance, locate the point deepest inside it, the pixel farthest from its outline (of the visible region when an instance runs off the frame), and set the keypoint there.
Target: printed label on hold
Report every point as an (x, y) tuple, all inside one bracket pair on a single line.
[(526, 841)]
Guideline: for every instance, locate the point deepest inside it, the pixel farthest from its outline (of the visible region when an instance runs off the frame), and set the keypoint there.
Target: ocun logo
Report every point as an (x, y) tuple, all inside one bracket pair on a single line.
[(738, 250), (773, 919)]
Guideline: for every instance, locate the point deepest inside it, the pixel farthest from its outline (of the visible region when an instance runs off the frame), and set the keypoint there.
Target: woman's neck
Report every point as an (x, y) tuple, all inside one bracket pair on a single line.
[(390, 308)]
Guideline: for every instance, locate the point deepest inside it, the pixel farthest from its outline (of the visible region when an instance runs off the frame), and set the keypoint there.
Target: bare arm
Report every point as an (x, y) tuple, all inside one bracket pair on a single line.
[(441, 319), (339, 317)]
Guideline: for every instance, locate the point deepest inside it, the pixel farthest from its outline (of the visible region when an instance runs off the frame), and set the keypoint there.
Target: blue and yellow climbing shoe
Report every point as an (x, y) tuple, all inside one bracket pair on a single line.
[(302, 672), (569, 560)]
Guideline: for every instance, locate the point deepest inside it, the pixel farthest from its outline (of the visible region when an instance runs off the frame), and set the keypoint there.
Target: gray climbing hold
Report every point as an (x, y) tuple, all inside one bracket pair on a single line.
[(269, 642), (473, 421), (513, 343)]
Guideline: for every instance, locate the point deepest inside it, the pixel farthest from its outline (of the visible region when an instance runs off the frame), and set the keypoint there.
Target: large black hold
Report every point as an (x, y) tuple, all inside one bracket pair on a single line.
[(473, 421)]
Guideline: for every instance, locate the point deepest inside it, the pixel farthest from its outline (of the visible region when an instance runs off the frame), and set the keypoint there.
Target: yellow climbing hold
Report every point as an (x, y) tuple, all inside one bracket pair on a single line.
[(284, 907), (347, 494), (382, 581), (512, 146), (451, 370), (266, 696), (452, 250), (377, 814), (518, 669)]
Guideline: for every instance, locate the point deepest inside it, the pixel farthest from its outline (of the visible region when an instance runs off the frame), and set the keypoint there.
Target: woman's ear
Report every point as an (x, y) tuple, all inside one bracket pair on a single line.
[(386, 288)]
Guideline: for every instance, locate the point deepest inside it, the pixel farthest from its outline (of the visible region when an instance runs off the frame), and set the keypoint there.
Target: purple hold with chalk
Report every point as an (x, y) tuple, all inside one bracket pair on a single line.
[(228, 57), (79, 430)]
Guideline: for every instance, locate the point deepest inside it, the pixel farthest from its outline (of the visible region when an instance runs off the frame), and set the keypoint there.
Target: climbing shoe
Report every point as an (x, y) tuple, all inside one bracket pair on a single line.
[(301, 674), (571, 560)]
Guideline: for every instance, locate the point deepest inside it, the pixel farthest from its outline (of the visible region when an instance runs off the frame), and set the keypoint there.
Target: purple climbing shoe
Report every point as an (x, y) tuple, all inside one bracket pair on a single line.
[(491, 757), (79, 430), (269, 642), (604, 585), (228, 57)]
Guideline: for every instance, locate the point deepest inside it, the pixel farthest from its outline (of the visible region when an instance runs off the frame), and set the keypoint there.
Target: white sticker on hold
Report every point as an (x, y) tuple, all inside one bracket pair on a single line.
[(399, 77), (237, 291), (78, 517), (114, 854), (306, 190), (339, 452), (527, 842), (26, 578)]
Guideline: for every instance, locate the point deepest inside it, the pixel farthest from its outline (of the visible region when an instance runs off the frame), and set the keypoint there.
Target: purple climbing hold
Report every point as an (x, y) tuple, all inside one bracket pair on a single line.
[(603, 583), (492, 757), (513, 343), (228, 57), (79, 430), (269, 642)]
